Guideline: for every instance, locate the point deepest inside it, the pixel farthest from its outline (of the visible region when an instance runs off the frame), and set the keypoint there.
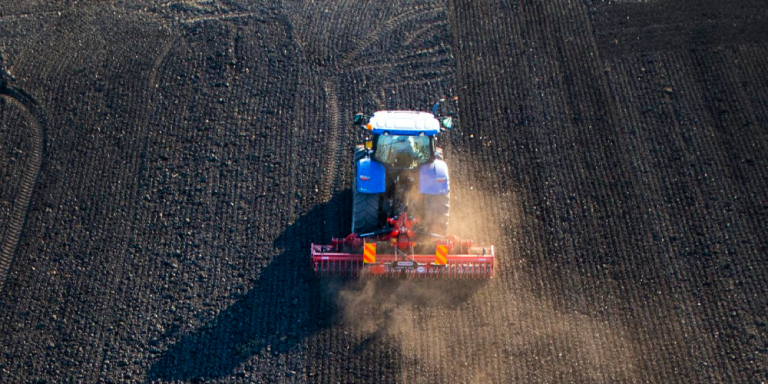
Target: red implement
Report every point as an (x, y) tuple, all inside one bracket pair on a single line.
[(329, 261), (393, 252)]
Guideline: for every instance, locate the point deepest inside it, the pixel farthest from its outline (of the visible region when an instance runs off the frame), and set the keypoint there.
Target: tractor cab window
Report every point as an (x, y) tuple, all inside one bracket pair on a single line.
[(403, 151)]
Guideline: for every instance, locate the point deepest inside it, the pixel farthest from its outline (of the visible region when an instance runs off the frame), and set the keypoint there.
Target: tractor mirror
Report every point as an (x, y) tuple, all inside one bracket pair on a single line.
[(446, 122), (361, 119)]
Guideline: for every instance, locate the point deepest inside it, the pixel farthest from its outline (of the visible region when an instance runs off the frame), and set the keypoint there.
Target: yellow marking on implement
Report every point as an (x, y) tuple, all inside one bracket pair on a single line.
[(369, 253), (441, 255)]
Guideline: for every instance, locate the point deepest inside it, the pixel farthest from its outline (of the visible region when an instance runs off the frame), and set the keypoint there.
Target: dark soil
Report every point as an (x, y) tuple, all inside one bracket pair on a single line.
[(165, 165)]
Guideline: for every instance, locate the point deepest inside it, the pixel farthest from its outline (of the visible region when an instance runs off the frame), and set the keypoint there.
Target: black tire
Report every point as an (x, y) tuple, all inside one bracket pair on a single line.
[(436, 213), (365, 208)]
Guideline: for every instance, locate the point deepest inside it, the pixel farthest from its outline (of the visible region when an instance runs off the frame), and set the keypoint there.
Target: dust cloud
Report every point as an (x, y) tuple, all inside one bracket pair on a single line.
[(485, 332)]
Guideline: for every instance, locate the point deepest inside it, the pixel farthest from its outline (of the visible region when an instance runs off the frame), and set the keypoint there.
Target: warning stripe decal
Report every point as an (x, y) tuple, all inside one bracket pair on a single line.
[(369, 253), (441, 255)]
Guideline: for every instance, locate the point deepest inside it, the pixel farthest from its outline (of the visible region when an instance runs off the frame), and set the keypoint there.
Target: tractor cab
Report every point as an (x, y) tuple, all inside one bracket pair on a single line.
[(402, 139), (402, 151)]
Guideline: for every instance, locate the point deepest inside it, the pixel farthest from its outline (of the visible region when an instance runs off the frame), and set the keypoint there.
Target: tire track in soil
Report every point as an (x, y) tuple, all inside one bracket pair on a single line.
[(406, 62), (336, 152), (144, 121), (152, 84), (139, 107), (332, 157), (412, 36), (134, 103), (228, 16), (29, 61), (18, 215), (147, 112), (386, 28), (428, 68), (257, 187)]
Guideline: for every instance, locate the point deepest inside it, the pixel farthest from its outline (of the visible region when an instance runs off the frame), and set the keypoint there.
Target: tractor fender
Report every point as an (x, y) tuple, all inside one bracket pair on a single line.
[(433, 178), (371, 176)]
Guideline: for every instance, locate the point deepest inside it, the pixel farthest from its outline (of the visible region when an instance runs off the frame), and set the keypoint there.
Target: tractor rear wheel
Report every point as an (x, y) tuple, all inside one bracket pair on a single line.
[(365, 211), (365, 206), (436, 213)]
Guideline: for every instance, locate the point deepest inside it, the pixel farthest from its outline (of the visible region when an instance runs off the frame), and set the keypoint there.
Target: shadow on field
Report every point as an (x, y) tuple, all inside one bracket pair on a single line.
[(282, 308), (288, 304)]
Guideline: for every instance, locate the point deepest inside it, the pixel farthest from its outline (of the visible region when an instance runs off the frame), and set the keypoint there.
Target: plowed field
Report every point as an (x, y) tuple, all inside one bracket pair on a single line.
[(164, 166)]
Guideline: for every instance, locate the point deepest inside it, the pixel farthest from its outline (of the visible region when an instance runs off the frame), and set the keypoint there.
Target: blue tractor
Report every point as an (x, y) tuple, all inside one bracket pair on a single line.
[(401, 202), (400, 171)]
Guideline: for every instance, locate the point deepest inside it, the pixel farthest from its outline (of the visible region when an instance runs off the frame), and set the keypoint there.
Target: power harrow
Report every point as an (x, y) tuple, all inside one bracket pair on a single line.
[(394, 252)]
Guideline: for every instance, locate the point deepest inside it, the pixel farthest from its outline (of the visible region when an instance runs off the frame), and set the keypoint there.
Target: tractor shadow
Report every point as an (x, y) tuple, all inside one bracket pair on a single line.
[(287, 304)]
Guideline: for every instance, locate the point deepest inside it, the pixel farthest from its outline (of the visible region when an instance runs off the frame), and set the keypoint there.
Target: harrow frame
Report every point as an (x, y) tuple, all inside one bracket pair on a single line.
[(332, 261)]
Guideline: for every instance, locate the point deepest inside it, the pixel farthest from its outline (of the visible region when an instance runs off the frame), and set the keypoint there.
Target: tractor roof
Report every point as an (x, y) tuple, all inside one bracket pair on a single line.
[(409, 123)]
